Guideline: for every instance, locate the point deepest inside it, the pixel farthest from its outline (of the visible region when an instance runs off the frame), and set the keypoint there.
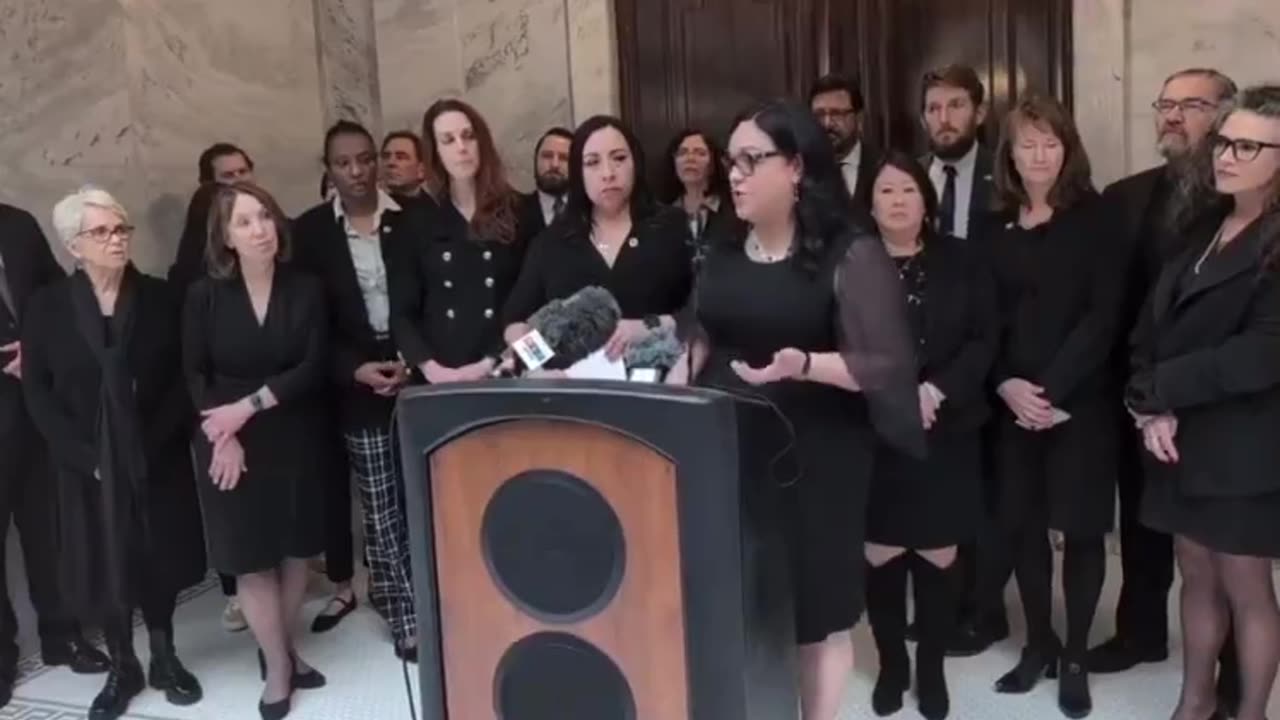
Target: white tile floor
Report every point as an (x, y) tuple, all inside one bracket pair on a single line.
[(366, 682)]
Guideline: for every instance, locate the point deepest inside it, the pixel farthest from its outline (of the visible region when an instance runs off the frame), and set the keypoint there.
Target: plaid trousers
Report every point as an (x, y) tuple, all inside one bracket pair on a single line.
[(376, 464)]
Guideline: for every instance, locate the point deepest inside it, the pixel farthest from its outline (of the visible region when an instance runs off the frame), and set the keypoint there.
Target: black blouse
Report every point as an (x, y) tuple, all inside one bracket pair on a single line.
[(652, 275)]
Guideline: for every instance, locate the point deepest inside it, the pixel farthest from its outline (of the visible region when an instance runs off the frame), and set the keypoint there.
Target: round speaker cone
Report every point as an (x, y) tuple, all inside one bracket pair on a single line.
[(553, 545), (554, 676)]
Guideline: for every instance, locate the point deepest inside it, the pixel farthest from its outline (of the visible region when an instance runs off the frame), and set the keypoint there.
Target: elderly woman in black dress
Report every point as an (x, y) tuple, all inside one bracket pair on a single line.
[(101, 371), (920, 510), (253, 346), (1058, 280), (612, 234), (1206, 392), (793, 305)]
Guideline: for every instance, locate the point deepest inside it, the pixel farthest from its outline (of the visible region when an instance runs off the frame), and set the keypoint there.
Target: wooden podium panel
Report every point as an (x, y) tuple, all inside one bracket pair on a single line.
[(641, 629)]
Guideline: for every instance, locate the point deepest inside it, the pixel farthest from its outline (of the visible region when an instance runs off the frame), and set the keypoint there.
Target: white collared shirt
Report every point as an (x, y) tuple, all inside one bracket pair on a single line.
[(849, 165), (965, 167), (548, 204), (366, 256)]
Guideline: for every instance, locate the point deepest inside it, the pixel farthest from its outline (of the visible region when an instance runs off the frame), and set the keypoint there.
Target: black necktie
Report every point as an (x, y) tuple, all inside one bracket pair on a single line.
[(557, 205), (947, 206)]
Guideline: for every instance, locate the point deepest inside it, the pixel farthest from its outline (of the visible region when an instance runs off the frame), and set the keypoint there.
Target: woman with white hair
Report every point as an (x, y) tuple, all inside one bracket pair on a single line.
[(101, 372)]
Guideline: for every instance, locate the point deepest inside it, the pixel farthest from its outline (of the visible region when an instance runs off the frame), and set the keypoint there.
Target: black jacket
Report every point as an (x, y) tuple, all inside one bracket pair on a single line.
[(982, 216), (1207, 348), (28, 266)]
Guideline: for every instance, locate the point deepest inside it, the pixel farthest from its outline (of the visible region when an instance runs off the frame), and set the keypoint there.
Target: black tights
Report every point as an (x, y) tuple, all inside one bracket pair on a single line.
[(157, 613), (1083, 569), (1222, 592)]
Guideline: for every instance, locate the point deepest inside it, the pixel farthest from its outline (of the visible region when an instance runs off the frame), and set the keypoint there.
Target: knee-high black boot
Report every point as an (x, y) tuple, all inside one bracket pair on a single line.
[(124, 679), (167, 672), (887, 612), (935, 595)]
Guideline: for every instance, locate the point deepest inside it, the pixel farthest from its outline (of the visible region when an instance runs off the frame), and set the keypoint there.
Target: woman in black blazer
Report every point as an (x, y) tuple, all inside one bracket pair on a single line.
[(101, 371), (1059, 286), (694, 179), (611, 234), (1205, 390), (920, 510)]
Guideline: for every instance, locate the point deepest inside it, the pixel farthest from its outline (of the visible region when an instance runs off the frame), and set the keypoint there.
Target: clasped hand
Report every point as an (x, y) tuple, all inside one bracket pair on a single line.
[(1027, 402), (384, 378)]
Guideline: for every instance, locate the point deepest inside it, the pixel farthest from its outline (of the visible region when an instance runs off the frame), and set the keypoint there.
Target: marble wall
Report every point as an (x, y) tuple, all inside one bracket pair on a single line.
[(1124, 49), (125, 93)]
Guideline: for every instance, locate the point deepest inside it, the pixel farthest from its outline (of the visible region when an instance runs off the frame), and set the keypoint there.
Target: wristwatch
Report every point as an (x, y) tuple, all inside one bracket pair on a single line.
[(653, 322)]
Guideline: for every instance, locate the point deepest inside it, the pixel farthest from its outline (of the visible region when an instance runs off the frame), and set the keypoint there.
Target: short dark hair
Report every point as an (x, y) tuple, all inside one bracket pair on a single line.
[(220, 260), (345, 127), (836, 82), (1226, 86), (908, 164), (955, 76), (409, 135), (1075, 180), (204, 166), (561, 132)]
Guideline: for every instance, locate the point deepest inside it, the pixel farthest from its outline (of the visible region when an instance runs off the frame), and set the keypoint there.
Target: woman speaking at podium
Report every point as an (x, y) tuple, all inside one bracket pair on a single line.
[(796, 303), (611, 234)]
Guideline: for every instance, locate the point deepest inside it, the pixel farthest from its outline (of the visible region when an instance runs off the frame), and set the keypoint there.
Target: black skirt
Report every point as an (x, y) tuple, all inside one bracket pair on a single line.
[(1233, 525), (930, 503)]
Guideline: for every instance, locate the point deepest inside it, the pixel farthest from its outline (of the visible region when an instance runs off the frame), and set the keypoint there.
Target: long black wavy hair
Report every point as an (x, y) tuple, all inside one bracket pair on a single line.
[(822, 212)]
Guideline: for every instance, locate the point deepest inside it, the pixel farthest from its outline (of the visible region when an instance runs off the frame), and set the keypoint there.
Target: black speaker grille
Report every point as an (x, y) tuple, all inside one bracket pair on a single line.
[(553, 546), (554, 676)]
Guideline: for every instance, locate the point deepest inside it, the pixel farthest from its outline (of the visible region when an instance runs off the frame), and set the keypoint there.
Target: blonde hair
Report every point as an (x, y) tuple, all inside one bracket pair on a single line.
[(68, 214)]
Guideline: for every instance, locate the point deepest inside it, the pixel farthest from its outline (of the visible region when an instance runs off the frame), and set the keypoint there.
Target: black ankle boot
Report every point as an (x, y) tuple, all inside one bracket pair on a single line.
[(124, 680), (935, 595), (167, 673), (1036, 661), (887, 612), (1073, 687)]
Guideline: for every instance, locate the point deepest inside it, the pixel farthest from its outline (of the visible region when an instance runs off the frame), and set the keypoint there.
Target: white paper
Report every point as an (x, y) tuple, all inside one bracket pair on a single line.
[(649, 375), (597, 366)]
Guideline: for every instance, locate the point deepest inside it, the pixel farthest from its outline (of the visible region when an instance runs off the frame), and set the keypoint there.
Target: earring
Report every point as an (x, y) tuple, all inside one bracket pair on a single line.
[(795, 192)]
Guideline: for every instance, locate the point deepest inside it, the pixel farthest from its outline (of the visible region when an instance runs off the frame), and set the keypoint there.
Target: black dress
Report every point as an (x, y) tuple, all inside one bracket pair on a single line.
[(1059, 291), (938, 502), (852, 303), (1205, 351), (108, 397), (277, 509)]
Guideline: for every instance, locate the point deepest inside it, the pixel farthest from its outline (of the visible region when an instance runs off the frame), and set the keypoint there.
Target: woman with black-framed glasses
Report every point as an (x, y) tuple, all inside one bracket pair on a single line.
[(1205, 391)]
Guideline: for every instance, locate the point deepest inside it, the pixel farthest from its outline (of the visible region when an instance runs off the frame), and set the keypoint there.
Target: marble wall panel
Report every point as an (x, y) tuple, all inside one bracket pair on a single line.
[(418, 58), (348, 61), (593, 58)]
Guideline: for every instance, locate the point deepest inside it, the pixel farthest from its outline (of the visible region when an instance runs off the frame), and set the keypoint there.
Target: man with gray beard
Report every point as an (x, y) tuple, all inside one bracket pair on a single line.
[(1143, 206)]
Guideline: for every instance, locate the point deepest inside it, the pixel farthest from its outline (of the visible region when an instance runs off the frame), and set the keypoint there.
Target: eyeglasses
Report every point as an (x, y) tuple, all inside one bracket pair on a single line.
[(1243, 149), (1200, 105), (103, 233), (747, 162)]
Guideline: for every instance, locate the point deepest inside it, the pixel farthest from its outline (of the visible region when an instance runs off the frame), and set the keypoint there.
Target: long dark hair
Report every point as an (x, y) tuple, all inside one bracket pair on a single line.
[(671, 190), (906, 163), (578, 207), (495, 216), (1075, 180), (822, 210)]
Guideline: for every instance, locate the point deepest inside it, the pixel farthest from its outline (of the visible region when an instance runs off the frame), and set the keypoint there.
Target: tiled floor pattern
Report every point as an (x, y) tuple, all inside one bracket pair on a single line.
[(366, 681)]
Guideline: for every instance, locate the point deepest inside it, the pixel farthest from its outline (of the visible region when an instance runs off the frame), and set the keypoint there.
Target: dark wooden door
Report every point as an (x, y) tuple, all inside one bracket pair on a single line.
[(697, 62), (1015, 45)]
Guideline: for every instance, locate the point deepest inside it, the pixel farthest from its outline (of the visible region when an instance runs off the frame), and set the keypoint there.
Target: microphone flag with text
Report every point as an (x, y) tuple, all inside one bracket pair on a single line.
[(566, 330)]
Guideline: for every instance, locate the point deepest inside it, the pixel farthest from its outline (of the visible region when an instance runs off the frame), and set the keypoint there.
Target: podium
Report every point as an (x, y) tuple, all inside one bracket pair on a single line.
[(596, 551)]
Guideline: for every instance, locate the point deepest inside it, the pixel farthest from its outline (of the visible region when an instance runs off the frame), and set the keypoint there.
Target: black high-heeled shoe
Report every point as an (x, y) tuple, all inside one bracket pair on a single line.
[(309, 680), (1073, 689), (1032, 665)]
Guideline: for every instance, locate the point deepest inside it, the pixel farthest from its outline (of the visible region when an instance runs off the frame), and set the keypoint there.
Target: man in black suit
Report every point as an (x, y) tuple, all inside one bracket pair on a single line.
[(551, 175), (1141, 208), (837, 103), (952, 110), (402, 168), (26, 265)]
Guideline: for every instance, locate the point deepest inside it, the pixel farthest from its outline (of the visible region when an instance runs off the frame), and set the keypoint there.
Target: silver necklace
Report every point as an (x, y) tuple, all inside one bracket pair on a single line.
[(756, 249)]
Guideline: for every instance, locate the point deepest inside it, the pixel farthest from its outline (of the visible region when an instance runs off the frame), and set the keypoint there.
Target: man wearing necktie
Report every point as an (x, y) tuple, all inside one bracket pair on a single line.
[(26, 265), (541, 207), (952, 112), (837, 104)]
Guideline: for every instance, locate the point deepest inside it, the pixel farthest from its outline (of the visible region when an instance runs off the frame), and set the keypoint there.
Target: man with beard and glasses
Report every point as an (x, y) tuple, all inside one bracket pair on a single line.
[(541, 207), (1142, 208), (837, 103), (402, 168), (952, 112)]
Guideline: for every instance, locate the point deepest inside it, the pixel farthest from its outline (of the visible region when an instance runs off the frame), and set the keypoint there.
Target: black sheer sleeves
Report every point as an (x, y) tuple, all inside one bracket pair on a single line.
[(962, 379), (68, 446), (876, 343)]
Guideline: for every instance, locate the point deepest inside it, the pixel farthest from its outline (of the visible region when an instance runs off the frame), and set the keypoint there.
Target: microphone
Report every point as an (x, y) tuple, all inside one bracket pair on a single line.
[(567, 330), (652, 357)]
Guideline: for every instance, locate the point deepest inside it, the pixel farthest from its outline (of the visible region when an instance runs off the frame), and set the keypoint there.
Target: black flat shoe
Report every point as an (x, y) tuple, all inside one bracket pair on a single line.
[(76, 653), (1118, 655), (326, 622), (1032, 665), (180, 687), (276, 710), (309, 680), (124, 683)]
